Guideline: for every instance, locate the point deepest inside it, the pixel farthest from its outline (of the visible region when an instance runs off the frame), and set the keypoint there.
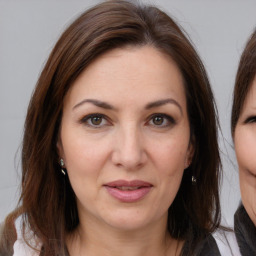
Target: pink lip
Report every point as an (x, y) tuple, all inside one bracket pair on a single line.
[(139, 189)]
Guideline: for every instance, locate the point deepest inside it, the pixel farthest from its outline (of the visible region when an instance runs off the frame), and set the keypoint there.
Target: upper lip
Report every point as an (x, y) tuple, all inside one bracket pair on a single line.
[(126, 183)]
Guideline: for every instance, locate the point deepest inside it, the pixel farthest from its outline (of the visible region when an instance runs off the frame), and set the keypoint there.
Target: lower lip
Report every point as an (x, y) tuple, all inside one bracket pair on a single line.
[(128, 196)]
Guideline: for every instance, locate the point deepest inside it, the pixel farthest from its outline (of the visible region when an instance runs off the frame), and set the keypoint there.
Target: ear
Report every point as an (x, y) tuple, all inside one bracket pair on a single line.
[(190, 152)]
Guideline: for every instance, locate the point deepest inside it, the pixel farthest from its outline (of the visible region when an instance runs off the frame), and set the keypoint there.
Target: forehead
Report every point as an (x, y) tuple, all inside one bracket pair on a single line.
[(131, 71), (250, 98)]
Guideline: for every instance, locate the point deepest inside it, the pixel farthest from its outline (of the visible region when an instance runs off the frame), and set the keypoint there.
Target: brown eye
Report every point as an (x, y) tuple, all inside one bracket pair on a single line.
[(158, 120), (96, 120), (161, 121)]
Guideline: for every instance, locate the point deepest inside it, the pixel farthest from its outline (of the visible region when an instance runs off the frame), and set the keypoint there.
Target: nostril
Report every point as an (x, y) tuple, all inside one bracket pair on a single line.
[(133, 160)]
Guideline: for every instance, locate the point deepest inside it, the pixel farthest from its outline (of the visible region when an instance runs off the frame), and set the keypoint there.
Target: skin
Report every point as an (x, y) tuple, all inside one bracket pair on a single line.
[(130, 142), (245, 146)]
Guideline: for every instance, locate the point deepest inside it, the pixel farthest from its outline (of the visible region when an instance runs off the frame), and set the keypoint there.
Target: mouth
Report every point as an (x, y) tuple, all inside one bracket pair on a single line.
[(128, 191), (127, 188)]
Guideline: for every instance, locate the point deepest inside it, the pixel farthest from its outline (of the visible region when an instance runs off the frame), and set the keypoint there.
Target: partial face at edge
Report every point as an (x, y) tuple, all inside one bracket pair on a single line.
[(245, 146), (125, 119)]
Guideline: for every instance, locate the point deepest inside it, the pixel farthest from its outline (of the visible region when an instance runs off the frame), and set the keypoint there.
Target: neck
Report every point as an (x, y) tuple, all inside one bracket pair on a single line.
[(93, 238)]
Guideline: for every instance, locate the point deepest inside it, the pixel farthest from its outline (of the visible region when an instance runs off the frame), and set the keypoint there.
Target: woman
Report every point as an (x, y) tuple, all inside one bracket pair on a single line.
[(243, 131), (120, 143)]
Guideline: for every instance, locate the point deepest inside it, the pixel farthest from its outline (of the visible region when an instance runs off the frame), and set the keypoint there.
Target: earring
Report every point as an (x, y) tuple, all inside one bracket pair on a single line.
[(62, 166), (193, 180)]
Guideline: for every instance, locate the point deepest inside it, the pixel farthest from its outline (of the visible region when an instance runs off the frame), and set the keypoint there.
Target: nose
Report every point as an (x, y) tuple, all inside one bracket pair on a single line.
[(129, 150)]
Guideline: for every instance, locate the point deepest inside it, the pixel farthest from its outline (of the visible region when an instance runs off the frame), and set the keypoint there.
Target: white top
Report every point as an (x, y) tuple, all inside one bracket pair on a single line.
[(226, 242), (20, 247)]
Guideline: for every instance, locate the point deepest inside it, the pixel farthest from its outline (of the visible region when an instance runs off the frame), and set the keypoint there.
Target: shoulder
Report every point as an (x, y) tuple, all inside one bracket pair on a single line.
[(7, 238), (14, 239), (208, 247), (220, 243), (226, 242), (242, 221), (245, 232), (26, 243)]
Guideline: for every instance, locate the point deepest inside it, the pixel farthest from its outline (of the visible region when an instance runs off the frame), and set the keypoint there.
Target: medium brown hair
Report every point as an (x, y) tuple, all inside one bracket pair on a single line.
[(245, 75), (47, 200)]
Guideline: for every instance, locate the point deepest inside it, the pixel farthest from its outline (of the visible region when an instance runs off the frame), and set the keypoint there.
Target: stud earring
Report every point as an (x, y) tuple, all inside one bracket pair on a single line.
[(62, 166), (193, 180)]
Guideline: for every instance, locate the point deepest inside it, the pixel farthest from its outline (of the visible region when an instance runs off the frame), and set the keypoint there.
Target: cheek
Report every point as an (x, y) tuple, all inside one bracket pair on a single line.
[(84, 161), (170, 168), (248, 192), (171, 157), (169, 161), (245, 147), (82, 154)]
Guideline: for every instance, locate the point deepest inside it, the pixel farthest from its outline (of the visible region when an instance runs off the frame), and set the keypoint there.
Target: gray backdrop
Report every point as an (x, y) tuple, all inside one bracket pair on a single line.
[(29, 29)]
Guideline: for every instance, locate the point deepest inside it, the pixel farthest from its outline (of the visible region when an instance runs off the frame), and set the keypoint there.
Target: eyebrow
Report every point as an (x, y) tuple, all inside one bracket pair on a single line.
[(160, 103), (150, 105), (97, 103)]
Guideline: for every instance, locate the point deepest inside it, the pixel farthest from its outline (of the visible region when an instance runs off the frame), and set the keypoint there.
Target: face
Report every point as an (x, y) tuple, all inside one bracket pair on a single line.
[(245, 146), (125, 138)]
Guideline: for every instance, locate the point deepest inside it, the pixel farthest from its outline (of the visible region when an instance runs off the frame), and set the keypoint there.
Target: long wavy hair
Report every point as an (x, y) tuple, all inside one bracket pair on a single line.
[(47, 202)]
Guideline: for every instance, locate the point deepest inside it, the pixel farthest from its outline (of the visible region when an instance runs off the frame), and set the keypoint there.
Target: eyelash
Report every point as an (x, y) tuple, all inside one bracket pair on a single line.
[(250, 119), (85, 120), (167, 120)]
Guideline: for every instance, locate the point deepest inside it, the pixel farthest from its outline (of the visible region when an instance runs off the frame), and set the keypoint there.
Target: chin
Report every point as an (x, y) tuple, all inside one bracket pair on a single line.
[(128, 220)]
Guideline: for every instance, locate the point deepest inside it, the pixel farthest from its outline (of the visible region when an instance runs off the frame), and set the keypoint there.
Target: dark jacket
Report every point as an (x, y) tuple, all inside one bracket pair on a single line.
[(208, 247), (245, 232)]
